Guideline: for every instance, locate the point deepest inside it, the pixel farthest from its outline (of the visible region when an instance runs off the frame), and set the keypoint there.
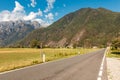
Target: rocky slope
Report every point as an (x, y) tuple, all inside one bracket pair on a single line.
[(10, 31)]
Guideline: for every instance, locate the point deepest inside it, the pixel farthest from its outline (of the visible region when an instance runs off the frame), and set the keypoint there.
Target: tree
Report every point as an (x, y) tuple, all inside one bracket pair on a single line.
[(116, 44), (34, 44)]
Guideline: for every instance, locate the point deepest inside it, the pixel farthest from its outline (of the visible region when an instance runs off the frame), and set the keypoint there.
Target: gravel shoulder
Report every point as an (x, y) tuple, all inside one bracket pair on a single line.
[(113, 65)]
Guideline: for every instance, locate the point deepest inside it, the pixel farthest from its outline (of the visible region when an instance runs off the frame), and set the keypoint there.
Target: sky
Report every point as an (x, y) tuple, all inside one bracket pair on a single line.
[(48, 11)]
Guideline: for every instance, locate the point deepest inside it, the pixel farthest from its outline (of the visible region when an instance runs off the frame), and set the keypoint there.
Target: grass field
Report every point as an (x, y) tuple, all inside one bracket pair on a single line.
[(12, 58)]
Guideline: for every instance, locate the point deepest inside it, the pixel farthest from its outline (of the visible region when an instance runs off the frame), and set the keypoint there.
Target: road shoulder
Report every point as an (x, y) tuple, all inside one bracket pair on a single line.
[(113, 65)]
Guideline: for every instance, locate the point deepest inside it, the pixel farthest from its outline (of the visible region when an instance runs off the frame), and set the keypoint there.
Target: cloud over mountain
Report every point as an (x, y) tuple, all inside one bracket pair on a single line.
[(33, 15), (19, 13)]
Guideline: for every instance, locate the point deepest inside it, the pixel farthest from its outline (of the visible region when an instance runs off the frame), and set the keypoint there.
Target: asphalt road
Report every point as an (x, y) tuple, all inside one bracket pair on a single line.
[(81, 67)]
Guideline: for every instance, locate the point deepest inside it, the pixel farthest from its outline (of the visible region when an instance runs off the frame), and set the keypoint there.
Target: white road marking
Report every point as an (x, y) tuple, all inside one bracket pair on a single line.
[(101, 67), (100, 73), (99, 78)]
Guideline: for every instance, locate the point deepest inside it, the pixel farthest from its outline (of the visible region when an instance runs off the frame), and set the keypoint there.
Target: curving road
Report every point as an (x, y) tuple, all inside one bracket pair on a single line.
[(81, 67)]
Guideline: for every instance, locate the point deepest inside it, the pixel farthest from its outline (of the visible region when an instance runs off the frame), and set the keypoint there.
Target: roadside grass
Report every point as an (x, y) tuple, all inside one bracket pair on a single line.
[(13, 58), (114, 53)]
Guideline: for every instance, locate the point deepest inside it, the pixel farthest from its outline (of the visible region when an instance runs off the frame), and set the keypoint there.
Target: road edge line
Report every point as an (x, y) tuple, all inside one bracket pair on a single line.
[(100, 74)]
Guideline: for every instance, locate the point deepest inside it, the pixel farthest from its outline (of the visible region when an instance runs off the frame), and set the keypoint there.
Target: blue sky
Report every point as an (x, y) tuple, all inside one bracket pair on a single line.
[(48, 11)]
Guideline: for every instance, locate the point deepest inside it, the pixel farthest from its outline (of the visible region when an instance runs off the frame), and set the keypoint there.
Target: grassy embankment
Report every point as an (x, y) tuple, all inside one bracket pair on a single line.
[(114, 53), (12, 58)]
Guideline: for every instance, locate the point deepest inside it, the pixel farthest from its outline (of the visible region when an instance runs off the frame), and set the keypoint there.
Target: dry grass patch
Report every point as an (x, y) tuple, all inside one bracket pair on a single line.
[(12, 58)]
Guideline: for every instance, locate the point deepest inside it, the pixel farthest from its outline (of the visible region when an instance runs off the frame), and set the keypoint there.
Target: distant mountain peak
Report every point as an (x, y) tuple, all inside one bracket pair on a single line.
[(103, 9), (12, 31)]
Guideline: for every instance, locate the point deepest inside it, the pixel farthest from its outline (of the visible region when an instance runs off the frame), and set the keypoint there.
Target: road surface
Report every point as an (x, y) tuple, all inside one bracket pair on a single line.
[(81, 67)]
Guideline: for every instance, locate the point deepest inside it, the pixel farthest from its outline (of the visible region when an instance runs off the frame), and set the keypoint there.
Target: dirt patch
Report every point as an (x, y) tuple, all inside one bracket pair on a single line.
[(77, 37)]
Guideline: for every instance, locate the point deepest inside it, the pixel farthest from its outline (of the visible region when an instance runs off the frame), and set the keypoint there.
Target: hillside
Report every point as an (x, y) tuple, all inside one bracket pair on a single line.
[(86, 27), (11, 32)]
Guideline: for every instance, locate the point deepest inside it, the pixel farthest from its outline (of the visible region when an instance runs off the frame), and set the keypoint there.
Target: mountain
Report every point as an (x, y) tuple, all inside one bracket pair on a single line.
[(86, 27), (11, 32)]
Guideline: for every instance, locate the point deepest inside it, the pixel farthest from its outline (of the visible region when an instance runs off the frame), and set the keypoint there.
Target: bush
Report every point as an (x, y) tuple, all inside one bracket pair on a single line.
[(115, 44), (35, 62)]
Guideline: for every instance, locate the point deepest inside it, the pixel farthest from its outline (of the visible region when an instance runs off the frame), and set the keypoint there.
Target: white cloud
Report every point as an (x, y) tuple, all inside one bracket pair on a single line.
[(4, 15), (18, 7), (49, 5), (18, 13), (33, 15), (16, 16), (50, 16), (33, 3), (42, 22), (39, 12)]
